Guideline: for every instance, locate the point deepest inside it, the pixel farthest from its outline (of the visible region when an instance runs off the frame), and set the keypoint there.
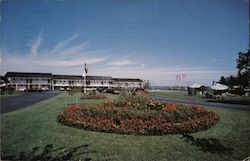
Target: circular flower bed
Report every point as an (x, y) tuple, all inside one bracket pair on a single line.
[(155, 118)]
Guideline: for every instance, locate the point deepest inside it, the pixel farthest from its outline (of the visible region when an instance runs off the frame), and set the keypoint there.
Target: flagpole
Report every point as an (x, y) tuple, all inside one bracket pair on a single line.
[(84, 78)]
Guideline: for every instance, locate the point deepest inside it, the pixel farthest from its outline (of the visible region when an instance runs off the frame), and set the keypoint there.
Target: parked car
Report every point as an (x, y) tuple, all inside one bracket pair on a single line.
[(109, 90), (61, 89), (44, 89), (99, 89), (33, 90)]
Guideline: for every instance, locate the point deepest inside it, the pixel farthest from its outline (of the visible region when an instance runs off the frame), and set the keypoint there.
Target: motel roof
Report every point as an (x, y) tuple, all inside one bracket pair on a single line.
[(67, 77), (76, 77), (80, 77), (23, 74), (127, 79), (99, 78)]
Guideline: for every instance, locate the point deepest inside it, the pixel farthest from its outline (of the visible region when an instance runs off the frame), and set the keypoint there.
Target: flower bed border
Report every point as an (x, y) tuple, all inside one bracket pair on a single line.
[(73, 116)]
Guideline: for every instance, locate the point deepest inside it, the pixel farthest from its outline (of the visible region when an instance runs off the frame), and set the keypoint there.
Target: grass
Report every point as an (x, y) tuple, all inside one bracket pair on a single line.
[(5, 95), (33, 132), (244, 100), (177, 94)]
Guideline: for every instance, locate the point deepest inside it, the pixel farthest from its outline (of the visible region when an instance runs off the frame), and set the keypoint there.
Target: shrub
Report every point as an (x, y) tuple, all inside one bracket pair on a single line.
[(74, 90), (140, 100), (93, 95)]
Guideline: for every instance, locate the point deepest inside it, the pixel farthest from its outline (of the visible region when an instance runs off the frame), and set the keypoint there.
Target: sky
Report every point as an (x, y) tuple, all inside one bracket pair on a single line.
[(168, 42)]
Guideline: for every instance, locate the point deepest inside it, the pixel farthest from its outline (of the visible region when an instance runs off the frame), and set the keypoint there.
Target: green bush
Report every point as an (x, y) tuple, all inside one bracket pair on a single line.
[(74, 90), (138, 100), (93, 95)]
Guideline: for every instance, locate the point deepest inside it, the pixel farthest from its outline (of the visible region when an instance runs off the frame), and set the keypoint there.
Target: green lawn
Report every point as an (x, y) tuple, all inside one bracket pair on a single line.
[(5, 95), (33, 132), (177, 94), (244, 100)]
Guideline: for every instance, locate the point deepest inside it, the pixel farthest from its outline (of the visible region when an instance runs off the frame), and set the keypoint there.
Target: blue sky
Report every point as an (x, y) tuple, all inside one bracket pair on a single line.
[(154, 40)]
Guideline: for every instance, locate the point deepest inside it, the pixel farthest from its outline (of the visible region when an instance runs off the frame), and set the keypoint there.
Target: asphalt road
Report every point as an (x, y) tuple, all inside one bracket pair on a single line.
[(17, 102), (208, 104)]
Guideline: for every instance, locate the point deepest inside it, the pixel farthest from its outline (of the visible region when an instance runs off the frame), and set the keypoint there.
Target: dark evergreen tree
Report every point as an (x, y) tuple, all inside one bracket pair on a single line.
[(243, 65), (223, 80), (231, 81)]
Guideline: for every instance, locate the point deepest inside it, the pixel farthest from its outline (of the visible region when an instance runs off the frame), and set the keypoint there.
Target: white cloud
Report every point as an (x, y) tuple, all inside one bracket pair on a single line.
[(76, 49), (62, 44), (74, 65), (34, 45), (167, 75), (60, 58), (123, 62)]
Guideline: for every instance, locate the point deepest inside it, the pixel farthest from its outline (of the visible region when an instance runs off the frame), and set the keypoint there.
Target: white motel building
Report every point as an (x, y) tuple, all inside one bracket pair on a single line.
[(22, 81)]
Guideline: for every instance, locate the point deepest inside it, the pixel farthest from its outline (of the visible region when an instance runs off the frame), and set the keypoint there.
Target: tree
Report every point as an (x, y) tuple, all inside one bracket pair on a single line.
[(232, 81), (4, 80), (146, 84), (223, 80), (243, 66)]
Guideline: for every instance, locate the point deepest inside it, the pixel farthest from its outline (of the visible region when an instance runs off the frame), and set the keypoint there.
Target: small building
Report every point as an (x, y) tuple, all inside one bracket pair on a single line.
[(196, 88), (219, 88)]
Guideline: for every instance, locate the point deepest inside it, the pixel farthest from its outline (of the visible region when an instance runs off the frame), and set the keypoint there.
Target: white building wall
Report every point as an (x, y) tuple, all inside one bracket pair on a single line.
[(21, 83), (24, 83), (128, 84)]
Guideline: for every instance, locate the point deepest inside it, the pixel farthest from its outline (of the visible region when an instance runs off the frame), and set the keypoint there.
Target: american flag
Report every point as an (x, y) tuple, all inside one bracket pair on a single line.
[(85, 68)]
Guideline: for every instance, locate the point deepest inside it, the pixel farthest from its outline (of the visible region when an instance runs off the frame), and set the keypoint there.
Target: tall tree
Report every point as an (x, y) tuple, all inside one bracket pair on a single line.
[(243, 66)]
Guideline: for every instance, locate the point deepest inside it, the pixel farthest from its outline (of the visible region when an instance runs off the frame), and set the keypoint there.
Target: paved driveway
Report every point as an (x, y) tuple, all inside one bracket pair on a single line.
[(209, 104), (16, 102)]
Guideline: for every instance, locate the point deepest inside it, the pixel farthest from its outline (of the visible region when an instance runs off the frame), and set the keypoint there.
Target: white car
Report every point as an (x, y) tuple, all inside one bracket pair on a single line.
[(44, 89)]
